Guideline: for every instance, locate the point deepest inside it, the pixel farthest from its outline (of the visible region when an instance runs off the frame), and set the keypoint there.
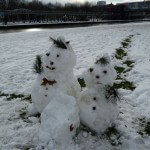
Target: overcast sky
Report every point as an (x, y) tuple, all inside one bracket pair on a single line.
[(108, 1)]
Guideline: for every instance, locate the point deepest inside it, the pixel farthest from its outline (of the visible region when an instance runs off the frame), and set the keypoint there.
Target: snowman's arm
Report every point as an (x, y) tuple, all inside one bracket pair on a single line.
[(76, 90), (32, 110)]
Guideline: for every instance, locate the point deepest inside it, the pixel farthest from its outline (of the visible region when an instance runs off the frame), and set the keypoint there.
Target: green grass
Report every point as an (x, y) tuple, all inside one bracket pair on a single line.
[(144, 126), (120, 53), (129, 63), (119, 69), (113, 135), (124, 84), (23, 115), (127, 40), (124, 44), (81, 82), (130, 36), (12, 96)]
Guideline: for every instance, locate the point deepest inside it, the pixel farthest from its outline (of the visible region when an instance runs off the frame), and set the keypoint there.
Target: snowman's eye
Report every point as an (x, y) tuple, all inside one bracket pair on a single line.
[(105, 72), (94, 108), (47, 54), (97, 77), (94, 98), (58, 55), (91, 69)]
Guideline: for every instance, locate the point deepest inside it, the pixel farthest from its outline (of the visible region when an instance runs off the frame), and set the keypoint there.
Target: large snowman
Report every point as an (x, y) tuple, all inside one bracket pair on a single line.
[(55, 74), (98, 108), (54, 95)]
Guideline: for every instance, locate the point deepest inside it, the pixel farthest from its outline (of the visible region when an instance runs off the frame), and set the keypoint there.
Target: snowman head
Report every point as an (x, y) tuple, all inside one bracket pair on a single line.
[(60, 57), (102, 73)]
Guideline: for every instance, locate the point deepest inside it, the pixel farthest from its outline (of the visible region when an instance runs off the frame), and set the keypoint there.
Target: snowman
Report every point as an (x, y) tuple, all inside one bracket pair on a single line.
[(54, 96), (55, 73), (97, 102)]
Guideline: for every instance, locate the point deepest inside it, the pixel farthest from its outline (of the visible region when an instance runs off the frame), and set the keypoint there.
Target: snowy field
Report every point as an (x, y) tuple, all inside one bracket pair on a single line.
[(17, 53)]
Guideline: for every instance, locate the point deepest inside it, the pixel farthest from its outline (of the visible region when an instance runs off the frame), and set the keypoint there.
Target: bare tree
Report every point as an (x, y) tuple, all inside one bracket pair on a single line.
[(3, 4)]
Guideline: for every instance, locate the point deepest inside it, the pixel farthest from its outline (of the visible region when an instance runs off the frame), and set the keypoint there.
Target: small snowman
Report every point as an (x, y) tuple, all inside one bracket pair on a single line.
[(97, 102), (55, 73)]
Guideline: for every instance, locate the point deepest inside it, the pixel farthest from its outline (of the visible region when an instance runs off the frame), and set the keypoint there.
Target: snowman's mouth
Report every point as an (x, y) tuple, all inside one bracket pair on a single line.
[(51, 68), (98, 83)]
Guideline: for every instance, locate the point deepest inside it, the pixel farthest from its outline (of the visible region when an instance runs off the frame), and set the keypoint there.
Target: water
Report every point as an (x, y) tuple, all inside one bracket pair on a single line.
[(22, 30)]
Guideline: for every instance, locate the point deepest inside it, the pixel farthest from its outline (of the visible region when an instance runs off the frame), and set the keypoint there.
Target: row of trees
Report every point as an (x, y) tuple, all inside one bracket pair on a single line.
[(39, 5)]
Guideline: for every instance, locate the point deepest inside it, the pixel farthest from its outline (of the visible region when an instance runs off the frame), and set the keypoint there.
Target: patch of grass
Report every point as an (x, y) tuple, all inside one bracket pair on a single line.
[(3, 94), (127, 40), (130, 36), (124, 84), (127, 70), (147, 128), (129, 63), (144, 126), (113, 135), (12, 96), (119, 77), (81, 82), (27, 98), (120, 53), (23, 115), (124, 44), (119, 69)]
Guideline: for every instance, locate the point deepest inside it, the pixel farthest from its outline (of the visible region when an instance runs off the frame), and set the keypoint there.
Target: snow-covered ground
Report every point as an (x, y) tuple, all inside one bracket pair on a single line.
[(17, 53)]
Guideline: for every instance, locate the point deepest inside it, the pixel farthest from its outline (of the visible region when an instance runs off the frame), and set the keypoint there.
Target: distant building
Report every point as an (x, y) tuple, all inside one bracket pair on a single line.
[(137, 5), (101, 3)]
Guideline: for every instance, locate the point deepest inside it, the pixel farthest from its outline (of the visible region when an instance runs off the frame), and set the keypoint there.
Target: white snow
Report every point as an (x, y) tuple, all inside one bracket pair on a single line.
[(17, 53)]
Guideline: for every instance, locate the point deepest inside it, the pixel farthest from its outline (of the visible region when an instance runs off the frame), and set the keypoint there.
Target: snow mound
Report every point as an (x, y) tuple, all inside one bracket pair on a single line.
[(59, 121)]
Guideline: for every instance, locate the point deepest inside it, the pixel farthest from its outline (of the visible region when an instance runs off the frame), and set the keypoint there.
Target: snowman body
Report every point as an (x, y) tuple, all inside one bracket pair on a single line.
[(59, 121), (56, 76), (96, 111)]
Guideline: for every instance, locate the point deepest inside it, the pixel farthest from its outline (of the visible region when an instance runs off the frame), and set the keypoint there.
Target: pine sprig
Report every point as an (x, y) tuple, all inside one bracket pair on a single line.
[(59, 43), (103, 61), (112, 94), (37, 66)]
